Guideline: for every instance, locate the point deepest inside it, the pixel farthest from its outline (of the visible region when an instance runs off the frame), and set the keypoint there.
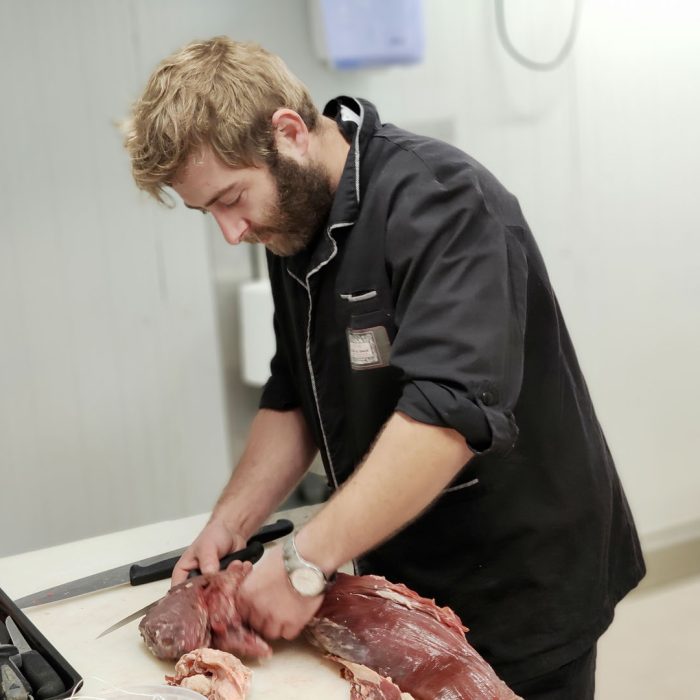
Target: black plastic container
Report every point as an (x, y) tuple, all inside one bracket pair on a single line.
[(70, 677)]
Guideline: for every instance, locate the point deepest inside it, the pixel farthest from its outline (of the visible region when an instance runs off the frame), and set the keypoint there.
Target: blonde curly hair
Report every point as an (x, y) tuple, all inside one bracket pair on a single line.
[(217, 92)]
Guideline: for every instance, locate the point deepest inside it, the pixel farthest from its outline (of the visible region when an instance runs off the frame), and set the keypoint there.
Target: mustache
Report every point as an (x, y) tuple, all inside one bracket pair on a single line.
[(265, 231), (260, 233)]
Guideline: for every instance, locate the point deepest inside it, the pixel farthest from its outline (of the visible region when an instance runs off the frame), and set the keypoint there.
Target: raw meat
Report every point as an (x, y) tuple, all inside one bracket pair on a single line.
[(368, 684), (393, 631), (215, 674), (179, 623), (201, 612), (228, 632)]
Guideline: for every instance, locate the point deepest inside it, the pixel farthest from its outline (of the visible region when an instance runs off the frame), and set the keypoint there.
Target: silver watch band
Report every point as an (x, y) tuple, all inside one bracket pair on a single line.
[(314, 579)]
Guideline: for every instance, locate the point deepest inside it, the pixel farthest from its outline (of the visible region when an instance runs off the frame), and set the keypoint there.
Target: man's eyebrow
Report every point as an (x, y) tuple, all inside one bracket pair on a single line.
[(220, 193)]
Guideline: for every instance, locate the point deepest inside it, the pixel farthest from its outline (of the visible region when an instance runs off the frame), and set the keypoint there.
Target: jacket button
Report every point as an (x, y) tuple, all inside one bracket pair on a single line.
[(486, 398)]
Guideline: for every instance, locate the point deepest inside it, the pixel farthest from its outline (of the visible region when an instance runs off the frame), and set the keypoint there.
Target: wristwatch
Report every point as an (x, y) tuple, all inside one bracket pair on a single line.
[(306, 578)]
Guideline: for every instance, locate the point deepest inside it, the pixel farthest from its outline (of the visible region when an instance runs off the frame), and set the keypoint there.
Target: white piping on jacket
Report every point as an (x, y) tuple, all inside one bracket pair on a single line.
[(309, 364), (466, 485), (359, 297), (346, 115)]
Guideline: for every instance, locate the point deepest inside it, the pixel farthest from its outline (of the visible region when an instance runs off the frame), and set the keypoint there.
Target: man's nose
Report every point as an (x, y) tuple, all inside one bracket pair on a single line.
[(232, 225)]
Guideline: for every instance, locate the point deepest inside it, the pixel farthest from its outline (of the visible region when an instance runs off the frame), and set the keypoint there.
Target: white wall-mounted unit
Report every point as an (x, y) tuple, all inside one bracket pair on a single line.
[(257, 332), (362, 33)]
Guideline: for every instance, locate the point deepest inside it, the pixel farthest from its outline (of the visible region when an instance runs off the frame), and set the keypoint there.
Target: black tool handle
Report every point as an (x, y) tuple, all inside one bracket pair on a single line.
[(45, 682), (251, 553), (273, 531), (162, 569), (13, 685), (139, 574)]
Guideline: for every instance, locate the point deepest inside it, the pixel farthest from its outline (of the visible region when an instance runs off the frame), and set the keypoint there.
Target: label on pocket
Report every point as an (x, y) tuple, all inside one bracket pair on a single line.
[(369, 347)]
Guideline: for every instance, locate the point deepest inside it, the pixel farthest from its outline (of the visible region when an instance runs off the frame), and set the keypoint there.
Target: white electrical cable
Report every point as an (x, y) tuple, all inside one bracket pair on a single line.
[(524, 60)]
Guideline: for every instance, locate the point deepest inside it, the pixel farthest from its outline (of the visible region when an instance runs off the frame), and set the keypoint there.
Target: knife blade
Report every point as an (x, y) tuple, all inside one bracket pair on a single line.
[(253, 552), (145, 571), (45, 682)]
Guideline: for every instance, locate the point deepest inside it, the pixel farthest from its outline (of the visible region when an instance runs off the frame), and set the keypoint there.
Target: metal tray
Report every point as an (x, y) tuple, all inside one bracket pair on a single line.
[(70, 677)]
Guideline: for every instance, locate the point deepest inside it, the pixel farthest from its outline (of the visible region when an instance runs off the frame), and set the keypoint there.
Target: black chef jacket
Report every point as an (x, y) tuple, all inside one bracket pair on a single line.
[(426, 294)]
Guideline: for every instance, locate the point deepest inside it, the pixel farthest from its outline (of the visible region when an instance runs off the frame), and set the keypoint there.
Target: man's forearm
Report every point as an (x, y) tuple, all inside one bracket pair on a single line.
[(278, 453), (409, 465)]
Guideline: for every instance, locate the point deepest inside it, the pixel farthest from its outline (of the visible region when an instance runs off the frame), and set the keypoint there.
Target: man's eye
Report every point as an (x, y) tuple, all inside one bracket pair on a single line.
[(233, 202)]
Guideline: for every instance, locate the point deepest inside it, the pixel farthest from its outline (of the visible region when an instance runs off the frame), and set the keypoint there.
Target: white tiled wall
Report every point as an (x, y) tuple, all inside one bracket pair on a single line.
[(111, 393)]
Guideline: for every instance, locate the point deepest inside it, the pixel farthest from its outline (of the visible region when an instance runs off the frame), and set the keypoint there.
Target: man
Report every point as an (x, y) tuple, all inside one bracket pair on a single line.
[(420, 348)]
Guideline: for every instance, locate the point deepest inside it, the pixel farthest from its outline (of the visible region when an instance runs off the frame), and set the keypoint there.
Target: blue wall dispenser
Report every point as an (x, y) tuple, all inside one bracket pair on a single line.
[(368, 33)]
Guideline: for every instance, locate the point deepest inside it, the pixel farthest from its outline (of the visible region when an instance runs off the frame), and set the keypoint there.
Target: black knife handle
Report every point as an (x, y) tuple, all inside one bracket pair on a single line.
[(162, 569), (45, 682), (4, 634), (140, 574), (251, 553), (273, 531)]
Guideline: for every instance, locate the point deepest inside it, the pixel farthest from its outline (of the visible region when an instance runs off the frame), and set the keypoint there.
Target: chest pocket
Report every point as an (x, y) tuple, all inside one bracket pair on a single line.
[(369, 328), (371, 385)]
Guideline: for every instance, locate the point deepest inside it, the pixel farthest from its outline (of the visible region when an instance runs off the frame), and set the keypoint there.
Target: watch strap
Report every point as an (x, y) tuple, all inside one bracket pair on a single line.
[(293, 561)]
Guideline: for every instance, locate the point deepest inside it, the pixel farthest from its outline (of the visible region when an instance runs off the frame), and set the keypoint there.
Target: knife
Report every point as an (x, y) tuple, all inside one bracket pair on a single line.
[(45, 682), (151, 569), (13, 685), (251, 553)]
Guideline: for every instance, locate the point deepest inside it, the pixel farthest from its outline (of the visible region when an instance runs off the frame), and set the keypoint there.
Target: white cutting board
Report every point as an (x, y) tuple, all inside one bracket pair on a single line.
[(295, 671)]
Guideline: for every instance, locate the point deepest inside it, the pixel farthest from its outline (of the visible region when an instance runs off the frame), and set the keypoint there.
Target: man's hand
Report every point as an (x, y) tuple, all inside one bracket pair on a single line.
[(278, 453), (215, 541), (268, 603)]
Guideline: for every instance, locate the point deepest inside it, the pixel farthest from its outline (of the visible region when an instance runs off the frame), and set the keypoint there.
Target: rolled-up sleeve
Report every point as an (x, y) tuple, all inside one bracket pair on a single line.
[(459, 276)]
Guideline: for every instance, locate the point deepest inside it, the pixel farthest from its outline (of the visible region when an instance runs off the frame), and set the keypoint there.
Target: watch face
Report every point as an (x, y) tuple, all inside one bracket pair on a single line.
[(307, 581)]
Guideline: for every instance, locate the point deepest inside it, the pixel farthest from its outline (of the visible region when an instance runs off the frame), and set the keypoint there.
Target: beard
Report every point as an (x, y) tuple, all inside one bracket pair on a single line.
[(304, 199)]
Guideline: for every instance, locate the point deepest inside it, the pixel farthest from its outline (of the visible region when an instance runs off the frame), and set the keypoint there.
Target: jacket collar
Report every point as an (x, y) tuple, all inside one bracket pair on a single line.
[(357, 119)]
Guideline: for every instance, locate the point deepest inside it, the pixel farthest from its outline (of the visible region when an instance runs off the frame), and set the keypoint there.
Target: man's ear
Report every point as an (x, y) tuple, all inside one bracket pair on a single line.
[(291, 135)]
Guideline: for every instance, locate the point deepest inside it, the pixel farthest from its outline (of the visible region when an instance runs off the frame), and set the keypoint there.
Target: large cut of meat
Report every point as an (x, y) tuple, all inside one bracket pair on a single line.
[(215, 674), (394, 632), (201, 612), (368, 684)]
